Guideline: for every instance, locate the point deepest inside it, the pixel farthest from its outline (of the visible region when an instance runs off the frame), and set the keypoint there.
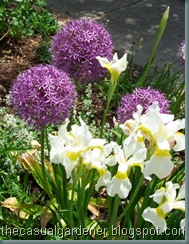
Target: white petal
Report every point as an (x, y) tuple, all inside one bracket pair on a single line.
[(167, 207), (167, 118), (122, 168), (180, 142), (152, 121), (175, 126), (129, 126), (182, 226), (111, 160), (137, 115), (63, 130), (120, 157), (69, 165), (181, 194), (121, 187), (163, 144), (103, 61), (151, 215), (103, 180), (170, 191), (120, 65), (160, 166), (138, 157), (97, 142), (115, 58), (179, 205), (158, 195), (57, 147)]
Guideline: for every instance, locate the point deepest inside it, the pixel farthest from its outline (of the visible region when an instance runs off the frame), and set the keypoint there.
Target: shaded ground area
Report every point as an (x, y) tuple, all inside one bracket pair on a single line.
[(130, 20), (15, 57)]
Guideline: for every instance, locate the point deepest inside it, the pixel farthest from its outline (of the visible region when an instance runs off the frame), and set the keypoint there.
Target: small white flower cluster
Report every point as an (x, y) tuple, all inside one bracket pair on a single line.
[(14, 132), (150, 138)]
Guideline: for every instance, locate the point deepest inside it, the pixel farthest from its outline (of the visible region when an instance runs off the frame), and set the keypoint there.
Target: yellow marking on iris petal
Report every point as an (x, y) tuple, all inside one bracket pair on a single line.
[(94, 147), (161, 153), (74, 155), (137, 164), (71, 135), (140, 138), (108, 66), (121, 175), (160, 212), (162, 188), (114, 73), (179, 133), (146, 131), (100, 171)]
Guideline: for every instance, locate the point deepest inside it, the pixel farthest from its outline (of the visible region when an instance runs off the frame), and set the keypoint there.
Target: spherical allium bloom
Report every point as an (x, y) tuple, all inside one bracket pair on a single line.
[(182, 52), (43, 95), (144, 97), (75, 47)]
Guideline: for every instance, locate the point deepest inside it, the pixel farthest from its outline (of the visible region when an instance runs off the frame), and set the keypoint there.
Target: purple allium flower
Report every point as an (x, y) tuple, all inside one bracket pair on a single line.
[(144, 97), (75, 46), (43, 95), (182, 52)]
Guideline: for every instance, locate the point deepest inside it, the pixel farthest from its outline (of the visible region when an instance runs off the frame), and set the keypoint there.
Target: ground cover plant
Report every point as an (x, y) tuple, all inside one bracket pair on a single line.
[(89, 150)]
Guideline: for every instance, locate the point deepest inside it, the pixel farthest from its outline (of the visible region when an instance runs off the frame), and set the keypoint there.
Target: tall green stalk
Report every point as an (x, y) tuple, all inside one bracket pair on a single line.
[(160, 32), (45, 183), (132, 198), (111, 90), (113, 216)]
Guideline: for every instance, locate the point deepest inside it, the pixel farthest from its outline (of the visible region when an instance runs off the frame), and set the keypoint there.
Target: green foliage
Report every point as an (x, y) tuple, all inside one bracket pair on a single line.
[(42, 53), (25, 17)]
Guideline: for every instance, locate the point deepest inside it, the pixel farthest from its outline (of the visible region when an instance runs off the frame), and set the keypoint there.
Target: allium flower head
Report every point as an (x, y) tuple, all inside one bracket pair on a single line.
[(144, 97), (43, 95), (182, 52), (75, 47)]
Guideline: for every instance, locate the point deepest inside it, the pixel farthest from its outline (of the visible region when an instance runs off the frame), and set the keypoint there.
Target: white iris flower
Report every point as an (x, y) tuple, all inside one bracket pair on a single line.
[(68, 146), (116, 66), (162, 133), (133, 153), (168, 199)]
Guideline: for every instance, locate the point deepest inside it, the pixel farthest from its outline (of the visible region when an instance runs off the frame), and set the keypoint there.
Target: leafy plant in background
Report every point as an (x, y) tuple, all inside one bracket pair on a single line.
[(42, 53), (25, 17)]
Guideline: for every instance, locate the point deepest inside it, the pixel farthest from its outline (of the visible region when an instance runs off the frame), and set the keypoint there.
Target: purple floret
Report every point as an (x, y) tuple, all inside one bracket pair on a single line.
[(43, 95), (144, 97), (75, 46)]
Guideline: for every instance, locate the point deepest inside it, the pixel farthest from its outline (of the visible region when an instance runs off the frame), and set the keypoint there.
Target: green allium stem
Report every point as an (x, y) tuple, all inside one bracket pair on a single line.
[(46, 185), (111, 90)]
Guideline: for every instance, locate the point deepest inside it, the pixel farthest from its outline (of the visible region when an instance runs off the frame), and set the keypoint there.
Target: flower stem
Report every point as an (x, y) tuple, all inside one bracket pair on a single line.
[(111, 90), (104, 118), (132, 198), (112, 221), (46, 185)]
